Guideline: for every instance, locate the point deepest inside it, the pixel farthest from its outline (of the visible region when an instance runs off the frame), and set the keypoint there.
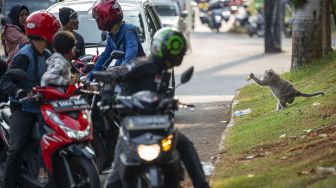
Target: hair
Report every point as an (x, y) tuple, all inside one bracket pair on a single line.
[(63, 42)]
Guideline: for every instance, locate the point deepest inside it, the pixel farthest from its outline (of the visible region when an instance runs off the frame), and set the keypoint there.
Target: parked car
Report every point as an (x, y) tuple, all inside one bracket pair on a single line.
[(170, 14), (140, 13)]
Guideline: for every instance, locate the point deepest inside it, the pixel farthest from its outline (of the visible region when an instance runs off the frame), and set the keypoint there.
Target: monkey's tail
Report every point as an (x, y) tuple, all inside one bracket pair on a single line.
[(309, 94)]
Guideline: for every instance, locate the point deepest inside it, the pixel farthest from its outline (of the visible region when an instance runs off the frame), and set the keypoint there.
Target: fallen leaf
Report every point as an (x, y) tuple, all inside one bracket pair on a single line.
[(250, 175), (303, 173), (322, 135), (284, 158), (249, 157), (283, 136), (316, 103), (307, 131)]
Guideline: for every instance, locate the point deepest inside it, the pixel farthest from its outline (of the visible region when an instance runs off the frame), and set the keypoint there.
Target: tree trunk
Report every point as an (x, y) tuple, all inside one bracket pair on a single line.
[(326, 30), (273, 18), (307, 33)]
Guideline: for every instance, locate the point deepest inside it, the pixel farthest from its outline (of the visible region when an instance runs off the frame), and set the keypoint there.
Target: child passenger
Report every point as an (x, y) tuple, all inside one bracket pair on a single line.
[(58, 73)]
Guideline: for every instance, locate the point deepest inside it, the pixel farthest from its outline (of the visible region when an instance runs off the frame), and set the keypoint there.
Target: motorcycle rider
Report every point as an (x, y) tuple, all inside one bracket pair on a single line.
[(168, 49), (121, 36), (40, 28)]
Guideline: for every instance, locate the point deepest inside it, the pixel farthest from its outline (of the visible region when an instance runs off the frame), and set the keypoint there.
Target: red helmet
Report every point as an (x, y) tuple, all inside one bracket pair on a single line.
[(43, 25), (107, 13)]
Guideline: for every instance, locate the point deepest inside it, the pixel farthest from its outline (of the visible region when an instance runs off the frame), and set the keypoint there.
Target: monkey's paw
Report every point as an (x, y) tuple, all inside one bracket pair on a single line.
[(250, 76)]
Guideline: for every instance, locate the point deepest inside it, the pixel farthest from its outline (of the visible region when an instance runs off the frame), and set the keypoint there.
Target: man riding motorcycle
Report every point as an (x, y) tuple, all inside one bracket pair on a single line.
[(40, 28), (122, 36), (168, 49)]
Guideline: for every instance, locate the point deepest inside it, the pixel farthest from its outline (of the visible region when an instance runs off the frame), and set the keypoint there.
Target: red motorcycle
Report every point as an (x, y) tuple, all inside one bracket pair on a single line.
[(64, 146)]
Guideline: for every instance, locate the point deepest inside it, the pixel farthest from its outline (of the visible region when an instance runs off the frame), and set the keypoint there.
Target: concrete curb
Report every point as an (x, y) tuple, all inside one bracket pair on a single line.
[(222, 148)]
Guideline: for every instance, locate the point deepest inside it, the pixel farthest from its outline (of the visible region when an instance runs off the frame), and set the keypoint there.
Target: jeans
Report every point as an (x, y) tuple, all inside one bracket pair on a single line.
[(21, 125), (187, 153)]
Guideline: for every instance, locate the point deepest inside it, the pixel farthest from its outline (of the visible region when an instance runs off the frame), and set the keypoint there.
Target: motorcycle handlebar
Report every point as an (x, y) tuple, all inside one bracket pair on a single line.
[(35, 97)]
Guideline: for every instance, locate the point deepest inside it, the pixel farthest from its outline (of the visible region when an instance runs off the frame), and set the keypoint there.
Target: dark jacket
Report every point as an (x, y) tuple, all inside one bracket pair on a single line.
[(80, 46), (32, 62), (142, 74)]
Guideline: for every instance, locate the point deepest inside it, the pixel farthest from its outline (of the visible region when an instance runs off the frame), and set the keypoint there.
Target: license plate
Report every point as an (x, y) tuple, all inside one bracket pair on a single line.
[(70, 105), (146, 122)]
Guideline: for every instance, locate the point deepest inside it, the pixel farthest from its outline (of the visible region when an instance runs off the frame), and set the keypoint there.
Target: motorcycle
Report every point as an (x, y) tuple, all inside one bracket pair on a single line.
[(256, 25), (226, 13), (64, 146), (203, 16), (148, 137), (106, 131), (215, 19)]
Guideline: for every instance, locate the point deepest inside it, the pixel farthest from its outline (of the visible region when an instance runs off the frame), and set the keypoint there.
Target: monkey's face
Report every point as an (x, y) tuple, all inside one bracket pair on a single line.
[(269, 75)]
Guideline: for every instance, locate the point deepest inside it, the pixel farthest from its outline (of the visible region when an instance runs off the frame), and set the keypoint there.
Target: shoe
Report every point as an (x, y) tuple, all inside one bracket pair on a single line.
[(43, 176)]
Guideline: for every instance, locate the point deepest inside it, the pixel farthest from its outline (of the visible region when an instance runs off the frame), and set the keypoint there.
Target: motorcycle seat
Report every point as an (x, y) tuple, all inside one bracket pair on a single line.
[(6, 114)]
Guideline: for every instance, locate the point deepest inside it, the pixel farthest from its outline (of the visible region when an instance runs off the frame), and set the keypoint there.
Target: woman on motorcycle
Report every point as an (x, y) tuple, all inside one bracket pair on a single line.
[(40, 28), (168, 49), (13, 35)]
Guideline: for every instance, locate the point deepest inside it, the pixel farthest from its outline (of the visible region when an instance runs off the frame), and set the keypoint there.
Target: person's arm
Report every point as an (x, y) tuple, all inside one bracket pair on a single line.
[(131, 41), (7, 83), (102, 59), (14, 35), (55, 74)]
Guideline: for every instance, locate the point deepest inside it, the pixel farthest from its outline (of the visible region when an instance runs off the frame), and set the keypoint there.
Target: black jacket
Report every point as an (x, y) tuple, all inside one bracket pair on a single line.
[(142, 73), (80, 46), (7, 85)]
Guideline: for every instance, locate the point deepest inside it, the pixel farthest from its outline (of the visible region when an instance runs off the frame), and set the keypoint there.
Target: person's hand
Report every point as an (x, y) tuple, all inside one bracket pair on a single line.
[(22, 93), (74, 79)]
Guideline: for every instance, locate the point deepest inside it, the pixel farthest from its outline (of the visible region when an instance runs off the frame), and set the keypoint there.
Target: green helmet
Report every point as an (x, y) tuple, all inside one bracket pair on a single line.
[(169, 46)]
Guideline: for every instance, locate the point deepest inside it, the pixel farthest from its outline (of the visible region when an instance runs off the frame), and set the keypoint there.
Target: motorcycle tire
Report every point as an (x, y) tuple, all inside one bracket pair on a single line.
[(79, 165), (84, 173), (102, 159)]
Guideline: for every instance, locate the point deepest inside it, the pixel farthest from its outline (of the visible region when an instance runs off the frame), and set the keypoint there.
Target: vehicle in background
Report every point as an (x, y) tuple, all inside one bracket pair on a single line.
[(170, 14), (287, 18), (215, 21), (183, 8), (140, 13), (33, 5)]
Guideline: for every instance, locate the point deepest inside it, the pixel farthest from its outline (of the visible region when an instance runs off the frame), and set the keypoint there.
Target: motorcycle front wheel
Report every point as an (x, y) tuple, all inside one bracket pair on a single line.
[(84, 173)]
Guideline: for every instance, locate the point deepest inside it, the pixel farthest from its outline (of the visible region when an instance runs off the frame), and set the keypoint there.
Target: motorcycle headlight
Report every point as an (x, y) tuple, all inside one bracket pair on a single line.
[(68, 131), (78, 135), (148, 152)]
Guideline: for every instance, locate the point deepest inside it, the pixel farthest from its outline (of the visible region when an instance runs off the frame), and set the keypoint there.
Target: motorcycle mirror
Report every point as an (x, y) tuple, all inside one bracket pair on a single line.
[(117, 54), (103, 35), (17, 74), (186, 75)]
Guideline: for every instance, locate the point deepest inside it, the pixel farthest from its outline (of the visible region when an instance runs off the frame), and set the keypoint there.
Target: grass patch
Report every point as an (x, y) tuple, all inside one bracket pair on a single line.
[(256, 153)]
